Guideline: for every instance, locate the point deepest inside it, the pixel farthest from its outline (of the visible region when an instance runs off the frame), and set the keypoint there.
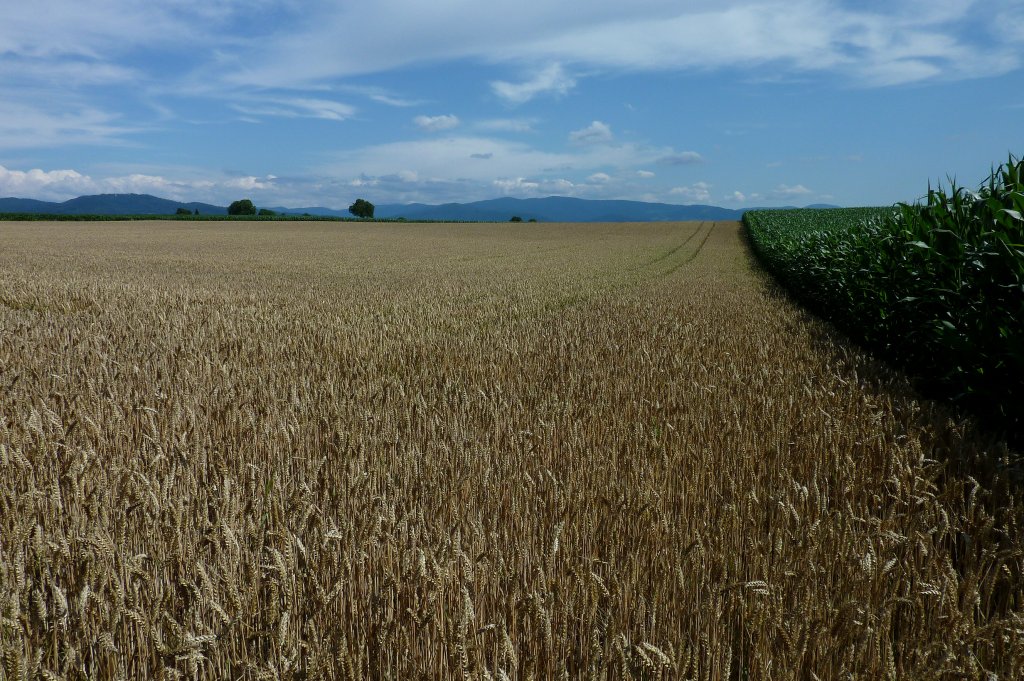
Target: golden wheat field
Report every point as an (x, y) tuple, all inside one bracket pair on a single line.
[(398, 451)]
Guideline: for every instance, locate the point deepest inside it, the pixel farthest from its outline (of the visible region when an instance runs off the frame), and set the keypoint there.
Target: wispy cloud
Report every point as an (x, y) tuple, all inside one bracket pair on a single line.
[(683, 158), (278, 44), (394, 101), (595, 133), (27, 125), (784, 191), (551, 79), (877, 44), (296, 108), (507, 124), (436, 123), (378, 94), (698, 191), (64, 71)]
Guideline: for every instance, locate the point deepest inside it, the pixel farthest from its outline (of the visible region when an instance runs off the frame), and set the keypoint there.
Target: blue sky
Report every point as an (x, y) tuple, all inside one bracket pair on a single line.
[(733, 103)]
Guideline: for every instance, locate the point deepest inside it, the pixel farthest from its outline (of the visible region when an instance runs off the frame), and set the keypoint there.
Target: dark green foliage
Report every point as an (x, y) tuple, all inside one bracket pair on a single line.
[(242, 207), (266, 212), (361, 209), (515, 218), (937, 288), (183, 211)]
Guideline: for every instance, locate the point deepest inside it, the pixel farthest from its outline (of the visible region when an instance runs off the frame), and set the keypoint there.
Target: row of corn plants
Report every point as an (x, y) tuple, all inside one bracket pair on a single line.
[(937, 287)]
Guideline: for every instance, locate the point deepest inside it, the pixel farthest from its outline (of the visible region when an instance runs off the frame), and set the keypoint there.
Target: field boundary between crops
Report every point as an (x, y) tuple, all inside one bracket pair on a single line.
[(937, 289)]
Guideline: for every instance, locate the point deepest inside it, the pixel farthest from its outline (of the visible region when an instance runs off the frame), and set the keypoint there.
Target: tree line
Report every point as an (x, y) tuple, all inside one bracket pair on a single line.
[(360, 209)]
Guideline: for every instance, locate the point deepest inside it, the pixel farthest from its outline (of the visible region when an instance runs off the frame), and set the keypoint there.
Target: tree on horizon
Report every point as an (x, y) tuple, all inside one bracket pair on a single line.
[(242, 207), (361, 209)]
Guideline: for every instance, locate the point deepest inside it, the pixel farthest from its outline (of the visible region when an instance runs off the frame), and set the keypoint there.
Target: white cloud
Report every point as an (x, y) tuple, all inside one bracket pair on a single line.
[(595, 133), (517, 185), (646, 174), (682, 158), (552, 79), (36, 183), (63, 184), (250, 183), (737, 197), (530, 187), (446, 158), (437, 123), (784, 191), (464, 167), (698, 191), (599, 178)]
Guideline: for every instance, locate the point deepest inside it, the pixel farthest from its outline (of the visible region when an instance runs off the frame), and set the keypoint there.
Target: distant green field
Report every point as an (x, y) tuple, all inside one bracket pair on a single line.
[(937, 288)]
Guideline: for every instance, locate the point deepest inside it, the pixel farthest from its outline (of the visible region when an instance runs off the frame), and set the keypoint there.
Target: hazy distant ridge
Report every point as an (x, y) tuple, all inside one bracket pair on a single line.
[(108, 204), (550, 209)]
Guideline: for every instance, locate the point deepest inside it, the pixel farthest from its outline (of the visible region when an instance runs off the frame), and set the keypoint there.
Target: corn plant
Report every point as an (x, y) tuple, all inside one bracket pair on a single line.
[(937, 287)]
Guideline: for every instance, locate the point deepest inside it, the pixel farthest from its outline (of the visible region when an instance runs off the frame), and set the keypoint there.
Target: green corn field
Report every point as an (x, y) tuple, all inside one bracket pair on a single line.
[(936, 287)]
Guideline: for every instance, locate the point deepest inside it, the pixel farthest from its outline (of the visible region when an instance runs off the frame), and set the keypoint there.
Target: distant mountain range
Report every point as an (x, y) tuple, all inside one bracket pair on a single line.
[(550, 209), (108, 204)]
